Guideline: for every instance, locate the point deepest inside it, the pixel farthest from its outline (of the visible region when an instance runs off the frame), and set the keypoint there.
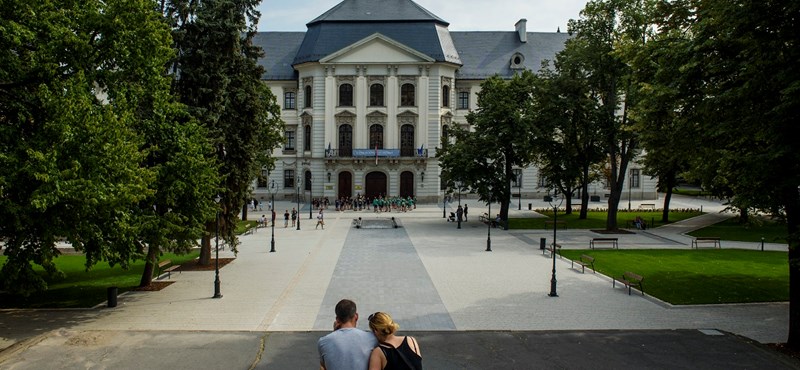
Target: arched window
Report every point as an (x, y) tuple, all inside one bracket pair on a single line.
[(307, 97), (345, 95), (445, 96), (307, 138), (407, 95), (376, 136), (376, 95), (345, 141)]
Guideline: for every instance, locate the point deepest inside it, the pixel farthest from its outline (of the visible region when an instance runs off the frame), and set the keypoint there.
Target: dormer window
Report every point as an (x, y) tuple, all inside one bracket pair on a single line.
[(517, 61)]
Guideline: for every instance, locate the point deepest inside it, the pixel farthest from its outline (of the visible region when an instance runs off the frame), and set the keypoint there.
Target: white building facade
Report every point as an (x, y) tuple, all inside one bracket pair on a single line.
[(368, 89)]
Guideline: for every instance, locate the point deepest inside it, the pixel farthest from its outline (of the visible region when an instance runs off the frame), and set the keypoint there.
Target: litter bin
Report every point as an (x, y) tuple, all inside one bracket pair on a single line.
[(112, 296), (530, 206), (542, 243)]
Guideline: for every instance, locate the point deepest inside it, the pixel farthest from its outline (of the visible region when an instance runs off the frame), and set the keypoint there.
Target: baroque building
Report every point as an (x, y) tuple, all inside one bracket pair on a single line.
[(369, 89)]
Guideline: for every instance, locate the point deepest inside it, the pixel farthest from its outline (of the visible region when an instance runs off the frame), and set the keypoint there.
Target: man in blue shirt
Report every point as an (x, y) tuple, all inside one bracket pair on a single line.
[(347, 347)]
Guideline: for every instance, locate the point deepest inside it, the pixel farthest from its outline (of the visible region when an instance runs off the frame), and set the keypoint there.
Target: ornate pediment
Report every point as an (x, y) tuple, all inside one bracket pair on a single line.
[(377, 48)]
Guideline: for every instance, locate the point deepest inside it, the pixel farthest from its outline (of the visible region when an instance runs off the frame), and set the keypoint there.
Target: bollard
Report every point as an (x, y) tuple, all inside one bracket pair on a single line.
[(530, 206), (112, 296), (762, 243), (542, 243)]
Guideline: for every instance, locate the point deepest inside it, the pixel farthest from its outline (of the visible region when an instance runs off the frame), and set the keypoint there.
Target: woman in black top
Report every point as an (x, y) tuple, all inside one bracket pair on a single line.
[(392, 352)]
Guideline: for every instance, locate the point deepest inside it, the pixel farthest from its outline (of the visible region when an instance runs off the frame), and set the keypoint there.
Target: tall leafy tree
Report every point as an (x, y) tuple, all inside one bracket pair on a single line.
[(502, 135), (744, 53), (75, 82), (604, 29), (220, 80)]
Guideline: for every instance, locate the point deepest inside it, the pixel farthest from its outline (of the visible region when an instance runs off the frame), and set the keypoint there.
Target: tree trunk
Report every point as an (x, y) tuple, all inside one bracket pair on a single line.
[(744, 216), (568, 195), (665, 212), (205, 245), (584, 194), (244, 211), (149, 265)]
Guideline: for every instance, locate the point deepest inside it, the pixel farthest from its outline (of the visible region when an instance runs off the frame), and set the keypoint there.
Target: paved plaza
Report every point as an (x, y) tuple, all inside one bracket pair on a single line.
[(468, 306)]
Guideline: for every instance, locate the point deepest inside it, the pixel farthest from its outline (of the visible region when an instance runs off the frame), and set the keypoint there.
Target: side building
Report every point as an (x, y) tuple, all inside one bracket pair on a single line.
[(367, 91)]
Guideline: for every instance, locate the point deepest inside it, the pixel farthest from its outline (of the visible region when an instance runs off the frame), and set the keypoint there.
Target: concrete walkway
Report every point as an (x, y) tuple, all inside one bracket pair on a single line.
[(430, 276)]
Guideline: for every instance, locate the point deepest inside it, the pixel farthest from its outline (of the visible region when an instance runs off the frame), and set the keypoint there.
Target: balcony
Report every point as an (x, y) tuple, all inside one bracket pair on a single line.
[(346, 153), (364, 158)]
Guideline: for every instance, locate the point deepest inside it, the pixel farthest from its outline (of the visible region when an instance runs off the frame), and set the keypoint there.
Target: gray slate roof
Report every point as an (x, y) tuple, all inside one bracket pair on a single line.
[(377, 11), (280, 48), (484, 54)]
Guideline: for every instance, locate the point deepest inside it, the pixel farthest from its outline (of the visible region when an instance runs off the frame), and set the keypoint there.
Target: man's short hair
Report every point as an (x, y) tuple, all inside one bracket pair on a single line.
[(345, 310)]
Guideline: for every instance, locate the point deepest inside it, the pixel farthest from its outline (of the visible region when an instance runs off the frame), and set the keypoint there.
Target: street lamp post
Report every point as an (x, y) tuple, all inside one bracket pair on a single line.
[(489, 224), (310, 198), (217, 293), (272, 189), (298, 203), (458, 185), (444, 205), (555, 205)]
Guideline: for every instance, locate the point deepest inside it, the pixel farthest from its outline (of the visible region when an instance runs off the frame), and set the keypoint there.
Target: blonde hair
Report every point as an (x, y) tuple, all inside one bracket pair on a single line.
[(382, 323)]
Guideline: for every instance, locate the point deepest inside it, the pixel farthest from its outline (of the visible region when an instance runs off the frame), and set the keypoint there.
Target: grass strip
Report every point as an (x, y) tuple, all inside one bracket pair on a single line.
[(597, 219), (706, 276)]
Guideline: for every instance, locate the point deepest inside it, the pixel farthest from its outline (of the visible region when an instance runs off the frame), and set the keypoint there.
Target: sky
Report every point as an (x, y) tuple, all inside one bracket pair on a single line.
[(463, 15)]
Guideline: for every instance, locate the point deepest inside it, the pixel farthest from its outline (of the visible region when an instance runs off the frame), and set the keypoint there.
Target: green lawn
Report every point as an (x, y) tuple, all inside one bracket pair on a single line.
[(81, 288), (597, 219), (706, 276), (771, 231)]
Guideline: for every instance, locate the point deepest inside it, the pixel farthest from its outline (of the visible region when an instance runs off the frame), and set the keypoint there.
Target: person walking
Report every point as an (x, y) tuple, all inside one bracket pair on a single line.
[(466, 209), (459, 214), (285, 218), (393, 352), (294, 216), (347, 347), (320, 220)]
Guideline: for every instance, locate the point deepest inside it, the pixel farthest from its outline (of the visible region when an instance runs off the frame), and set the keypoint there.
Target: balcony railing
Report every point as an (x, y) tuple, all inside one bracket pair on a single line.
[(376, 153)]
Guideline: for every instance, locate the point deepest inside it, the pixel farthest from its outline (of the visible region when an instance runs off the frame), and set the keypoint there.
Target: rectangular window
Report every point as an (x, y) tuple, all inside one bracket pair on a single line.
[(635, 179), (289, 100), (463, 100), (288, 179), (543, 183), (290, 140), (517, 178)]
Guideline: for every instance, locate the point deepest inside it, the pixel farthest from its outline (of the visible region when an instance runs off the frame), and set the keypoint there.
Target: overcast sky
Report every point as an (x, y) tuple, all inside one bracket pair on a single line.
[(463, 15)]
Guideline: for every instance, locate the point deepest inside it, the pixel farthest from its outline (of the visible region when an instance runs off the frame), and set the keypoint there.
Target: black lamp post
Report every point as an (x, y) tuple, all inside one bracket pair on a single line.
[(519, 192), (489, 224), (555, 202), (444, 205), (458, 185), (272, 189), (298, 204), (217, 293), (310, 198)]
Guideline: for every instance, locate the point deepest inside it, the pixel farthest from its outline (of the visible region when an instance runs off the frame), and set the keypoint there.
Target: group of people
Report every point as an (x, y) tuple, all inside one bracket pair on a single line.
[(379, 203), (348, 347)]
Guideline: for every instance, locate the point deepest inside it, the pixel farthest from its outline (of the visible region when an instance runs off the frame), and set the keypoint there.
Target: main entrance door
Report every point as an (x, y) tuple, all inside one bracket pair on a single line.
[(345, 188), (406, 184), (376, 185)]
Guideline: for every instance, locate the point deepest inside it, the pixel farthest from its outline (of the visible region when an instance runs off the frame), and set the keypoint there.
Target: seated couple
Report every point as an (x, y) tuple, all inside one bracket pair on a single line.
[(348, 347)]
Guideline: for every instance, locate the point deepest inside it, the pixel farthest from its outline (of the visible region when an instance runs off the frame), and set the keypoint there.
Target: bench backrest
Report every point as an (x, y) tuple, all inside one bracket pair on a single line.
[(586, 258), (605, 239), (164, 263), (629, 276)]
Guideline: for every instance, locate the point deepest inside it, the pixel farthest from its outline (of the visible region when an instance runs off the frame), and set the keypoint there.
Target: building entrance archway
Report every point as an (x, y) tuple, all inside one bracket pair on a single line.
[(375, 185), (345, 185), (406, 184)]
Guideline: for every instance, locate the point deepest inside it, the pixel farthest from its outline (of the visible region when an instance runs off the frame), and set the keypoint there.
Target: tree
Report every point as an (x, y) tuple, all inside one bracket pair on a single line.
[(73, 80), (220, 81), (503, 135), (743, 54), (605, 27)]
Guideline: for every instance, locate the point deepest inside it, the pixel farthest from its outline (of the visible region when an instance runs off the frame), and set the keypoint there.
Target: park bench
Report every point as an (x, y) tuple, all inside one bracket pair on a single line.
[(713, 240), (631, 224), (484, 218), (630, 279), (614, 242), (248, 229), (548, 224), (584, 261), (550, 248), (168, 267), (647, 206)]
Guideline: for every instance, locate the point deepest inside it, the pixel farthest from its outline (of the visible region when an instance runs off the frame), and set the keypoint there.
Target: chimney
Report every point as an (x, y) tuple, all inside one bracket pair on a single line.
[(523, 33)]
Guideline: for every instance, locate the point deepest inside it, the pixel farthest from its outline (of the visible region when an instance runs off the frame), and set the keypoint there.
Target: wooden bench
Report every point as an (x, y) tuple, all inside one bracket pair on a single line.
[(714, 240), (647, 206), (614, 242), (549, 248), (583, 262), (630, 279), (168, 267), (249, 229), (484, 218), (563, 224)]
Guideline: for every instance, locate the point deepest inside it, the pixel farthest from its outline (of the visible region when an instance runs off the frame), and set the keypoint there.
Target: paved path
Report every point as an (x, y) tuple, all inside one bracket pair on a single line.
[(427, 273)]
